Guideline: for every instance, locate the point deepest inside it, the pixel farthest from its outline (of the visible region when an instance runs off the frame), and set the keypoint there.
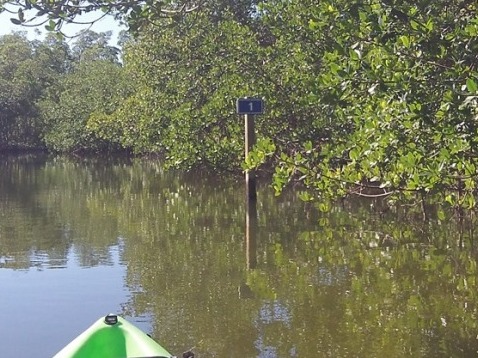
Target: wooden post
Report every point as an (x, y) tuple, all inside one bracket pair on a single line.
[(249, 107), (250, 141)]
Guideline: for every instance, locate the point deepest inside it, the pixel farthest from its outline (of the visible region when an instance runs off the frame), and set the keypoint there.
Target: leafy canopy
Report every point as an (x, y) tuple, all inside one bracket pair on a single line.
[(371, 98), (55, 14)]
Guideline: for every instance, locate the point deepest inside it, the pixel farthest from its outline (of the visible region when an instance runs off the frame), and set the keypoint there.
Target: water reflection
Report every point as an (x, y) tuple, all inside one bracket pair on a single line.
[(271, 313), (182, 255), (47, 307), (251, 230)]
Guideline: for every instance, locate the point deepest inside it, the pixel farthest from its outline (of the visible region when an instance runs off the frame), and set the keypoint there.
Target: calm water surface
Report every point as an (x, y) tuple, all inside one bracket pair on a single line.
[(171, 252)]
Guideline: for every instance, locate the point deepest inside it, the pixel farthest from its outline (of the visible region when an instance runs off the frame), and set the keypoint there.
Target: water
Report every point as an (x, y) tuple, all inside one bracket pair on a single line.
[(41, 305), (171, 252)]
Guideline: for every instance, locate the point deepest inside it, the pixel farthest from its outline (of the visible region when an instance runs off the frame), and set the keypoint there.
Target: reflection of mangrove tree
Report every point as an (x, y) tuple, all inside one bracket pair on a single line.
[(334, 291), (27, 228), (352, 281)]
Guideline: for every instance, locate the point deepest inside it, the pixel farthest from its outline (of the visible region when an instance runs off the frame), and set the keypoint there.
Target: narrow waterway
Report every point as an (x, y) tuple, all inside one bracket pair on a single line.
[(171, 252)]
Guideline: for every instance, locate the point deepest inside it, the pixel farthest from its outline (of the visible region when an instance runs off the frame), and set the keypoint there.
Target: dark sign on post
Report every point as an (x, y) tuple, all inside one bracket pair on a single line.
[(249, 105)]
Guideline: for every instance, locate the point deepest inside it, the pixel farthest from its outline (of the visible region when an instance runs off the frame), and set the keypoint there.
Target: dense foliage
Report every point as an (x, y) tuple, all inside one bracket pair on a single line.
[(26, 69), (95, 83), (49, 89), (363, 98), (398, 81)]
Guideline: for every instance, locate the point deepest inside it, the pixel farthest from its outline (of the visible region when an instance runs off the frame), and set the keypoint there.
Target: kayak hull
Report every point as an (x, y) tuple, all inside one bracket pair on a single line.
[(113, 337)]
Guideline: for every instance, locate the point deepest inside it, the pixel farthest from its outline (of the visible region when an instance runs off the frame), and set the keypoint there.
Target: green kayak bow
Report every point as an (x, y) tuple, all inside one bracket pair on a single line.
[(113, 337)]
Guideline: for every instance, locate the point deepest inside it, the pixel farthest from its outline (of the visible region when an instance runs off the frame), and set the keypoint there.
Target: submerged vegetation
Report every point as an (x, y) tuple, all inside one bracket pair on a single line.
[(373, 98)]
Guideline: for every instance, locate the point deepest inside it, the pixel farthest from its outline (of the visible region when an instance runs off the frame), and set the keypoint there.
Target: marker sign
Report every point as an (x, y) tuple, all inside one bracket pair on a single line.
[(250, 105)]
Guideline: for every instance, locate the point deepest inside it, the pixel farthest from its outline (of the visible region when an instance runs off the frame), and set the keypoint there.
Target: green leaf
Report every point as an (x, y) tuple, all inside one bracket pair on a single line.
[(305, 196), (429, 25), (324, 207), (441, 214), (21, 15), (471, 85), (405, 41), (313, 24), (50, 26), (354, 154)]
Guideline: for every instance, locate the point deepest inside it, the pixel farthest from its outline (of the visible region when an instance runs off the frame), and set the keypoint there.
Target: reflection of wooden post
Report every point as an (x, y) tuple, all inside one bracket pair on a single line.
[(251, 228), (250, 245), (250, 141)]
